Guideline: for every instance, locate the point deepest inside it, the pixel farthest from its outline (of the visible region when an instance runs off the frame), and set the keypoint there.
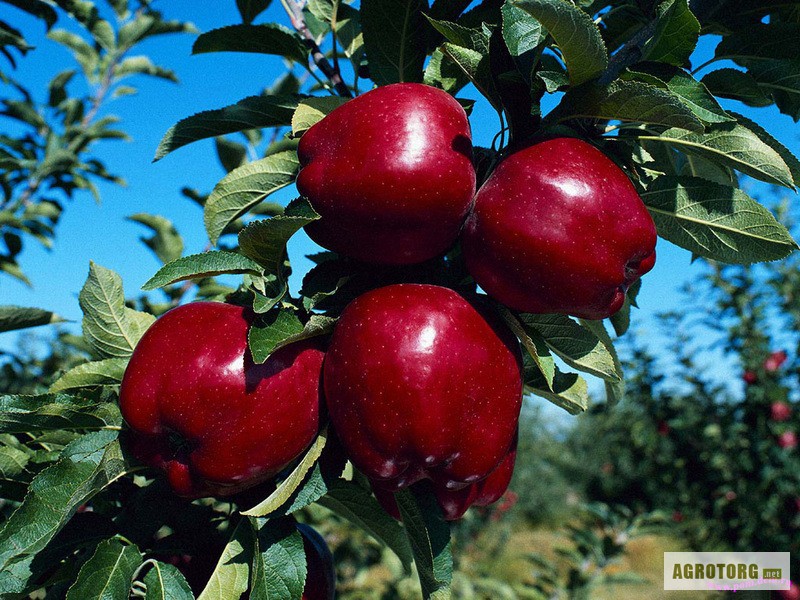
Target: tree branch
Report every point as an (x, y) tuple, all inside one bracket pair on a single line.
[(295, 12)]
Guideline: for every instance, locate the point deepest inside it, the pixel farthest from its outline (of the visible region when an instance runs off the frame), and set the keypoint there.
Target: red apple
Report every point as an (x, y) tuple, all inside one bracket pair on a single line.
[(201, 410), (663, 428), (454, 503), (421, 384), (750, 377), (390, 173), (321, 575), (788, 440), (780, 411), (775, 361), (559, 228)]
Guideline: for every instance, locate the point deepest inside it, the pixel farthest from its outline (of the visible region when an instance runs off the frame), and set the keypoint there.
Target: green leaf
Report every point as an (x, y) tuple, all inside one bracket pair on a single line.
[(277, 329), (569, 391), (733, 145), (142, 65), (86, 56), (576, 345), (166, 243), (109, 326), (232, 574), (761, 42), (534, 344), (13, 318), (243, 188), (269, 38), (312, 110), (394, 39), (108, 574), (166, 582), (443, 73), (250, 9), (270, 332), (685, 87), (577, 37), (205, 264), (429, 536), (475, 66), (254, 112), (265, 240), (277, 499), (359, 506), (627, 101), (676, 34), (100, 372), (348, 33), (790, 159), (279, 560), (615, 388), (736, 85), (53, 412), (231, 155), (521, 31), (87, 466), (717, 222), (781, 78)]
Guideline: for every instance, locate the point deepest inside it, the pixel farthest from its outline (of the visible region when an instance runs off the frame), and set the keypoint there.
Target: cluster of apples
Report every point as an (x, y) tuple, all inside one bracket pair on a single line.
[(419, 382)]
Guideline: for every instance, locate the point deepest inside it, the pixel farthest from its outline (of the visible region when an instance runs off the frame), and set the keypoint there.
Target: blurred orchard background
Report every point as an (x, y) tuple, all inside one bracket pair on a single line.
[(701, 454)]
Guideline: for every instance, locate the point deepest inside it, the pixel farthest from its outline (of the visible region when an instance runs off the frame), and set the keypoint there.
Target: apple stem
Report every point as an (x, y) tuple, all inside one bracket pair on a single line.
[(295, 12)]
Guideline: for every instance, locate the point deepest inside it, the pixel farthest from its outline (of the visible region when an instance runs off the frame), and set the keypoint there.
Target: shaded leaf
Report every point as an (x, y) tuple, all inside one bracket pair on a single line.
[(360, 507), (254, 112), (736, 85), (250, 9), (675, 36), (394, 39), (269, 38), (429, 536), (13, 318)]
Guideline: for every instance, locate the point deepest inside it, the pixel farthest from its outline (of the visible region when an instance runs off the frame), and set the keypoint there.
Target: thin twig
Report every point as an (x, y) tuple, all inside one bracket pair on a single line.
[(295, 12)]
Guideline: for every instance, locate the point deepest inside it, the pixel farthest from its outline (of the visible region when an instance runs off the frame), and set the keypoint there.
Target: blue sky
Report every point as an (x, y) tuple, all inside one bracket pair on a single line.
[(100, 232)]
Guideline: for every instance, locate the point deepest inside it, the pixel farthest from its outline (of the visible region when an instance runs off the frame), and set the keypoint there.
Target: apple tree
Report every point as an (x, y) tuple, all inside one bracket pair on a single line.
[(606, 136)]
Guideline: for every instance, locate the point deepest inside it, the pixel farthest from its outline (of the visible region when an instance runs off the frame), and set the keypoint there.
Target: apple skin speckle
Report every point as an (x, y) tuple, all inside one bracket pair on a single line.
[(390, 173), (559, 228)]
